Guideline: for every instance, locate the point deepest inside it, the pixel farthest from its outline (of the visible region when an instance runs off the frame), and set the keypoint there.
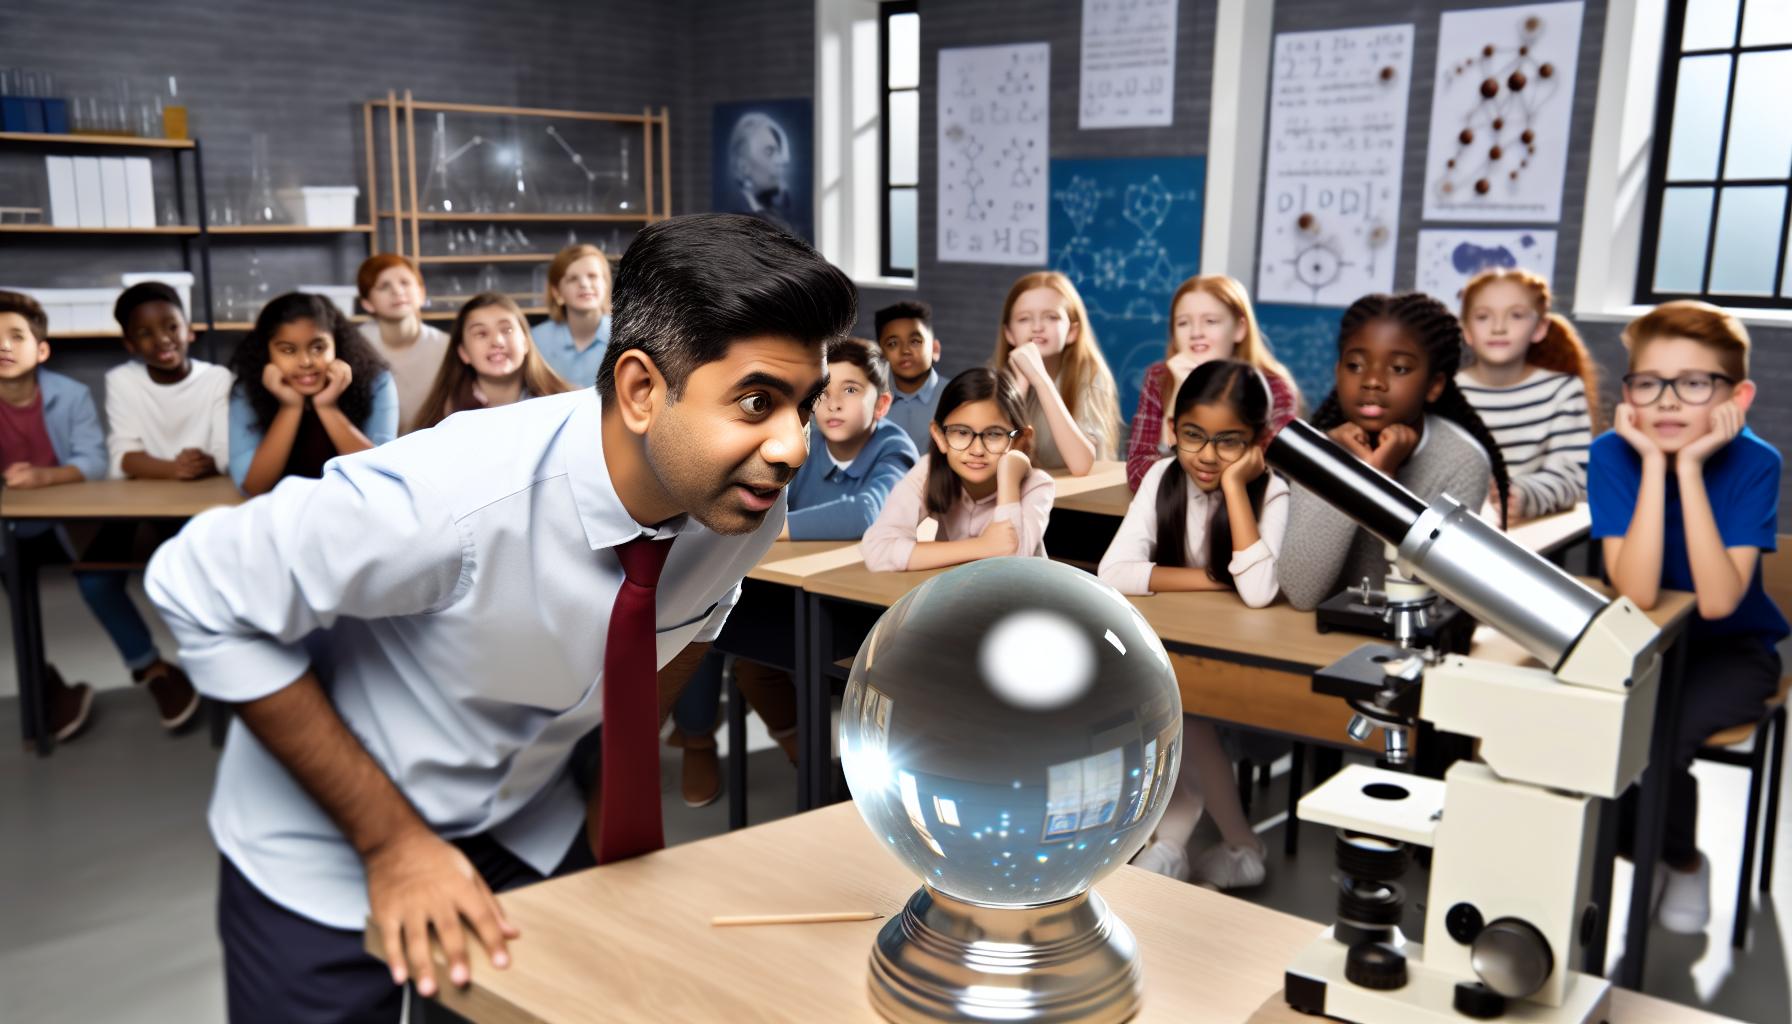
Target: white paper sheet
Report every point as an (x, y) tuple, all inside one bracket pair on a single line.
[(994, 144), (1129, 63)]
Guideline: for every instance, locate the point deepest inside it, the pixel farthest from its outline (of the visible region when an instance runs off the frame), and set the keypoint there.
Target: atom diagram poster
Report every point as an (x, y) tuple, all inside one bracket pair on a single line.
[(1448, 257), (1500, 112), (994, 123), (1331, 188), (1127, 232)]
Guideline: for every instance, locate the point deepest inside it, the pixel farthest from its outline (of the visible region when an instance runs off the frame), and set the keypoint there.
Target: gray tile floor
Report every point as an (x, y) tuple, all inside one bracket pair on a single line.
[(107, 873)]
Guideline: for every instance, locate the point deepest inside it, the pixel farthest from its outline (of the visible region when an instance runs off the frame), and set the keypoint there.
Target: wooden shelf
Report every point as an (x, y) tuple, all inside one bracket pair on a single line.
[(551, 218), (512, 257), (83, 335), (478, 108), (46, 229), (286, 229), (457, 299), (96, 140)]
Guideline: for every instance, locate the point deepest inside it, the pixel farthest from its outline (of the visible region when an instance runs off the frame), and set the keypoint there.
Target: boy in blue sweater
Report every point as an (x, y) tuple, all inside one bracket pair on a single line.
[(50, 435), (855, 457), (1685, 497)]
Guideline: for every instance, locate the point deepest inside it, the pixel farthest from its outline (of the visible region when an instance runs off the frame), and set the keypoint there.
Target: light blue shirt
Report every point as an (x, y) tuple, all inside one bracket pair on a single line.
[(454, 588), (914, 413), (829, 501), (577, 368), (245, 432), (73, 424)]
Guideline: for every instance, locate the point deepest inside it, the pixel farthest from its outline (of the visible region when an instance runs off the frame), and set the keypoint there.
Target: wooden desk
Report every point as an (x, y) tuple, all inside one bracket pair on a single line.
[(791, 561), (1106, 501), (632, 941), (1551, 536), (96, 501), (1101, 476)]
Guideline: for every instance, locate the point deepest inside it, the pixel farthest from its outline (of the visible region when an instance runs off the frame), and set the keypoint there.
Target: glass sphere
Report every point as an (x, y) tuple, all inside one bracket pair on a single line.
[(1011, 731)]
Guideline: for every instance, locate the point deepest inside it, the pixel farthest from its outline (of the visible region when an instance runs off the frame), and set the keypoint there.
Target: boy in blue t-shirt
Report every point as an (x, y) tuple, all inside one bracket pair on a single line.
[(1685, 497)]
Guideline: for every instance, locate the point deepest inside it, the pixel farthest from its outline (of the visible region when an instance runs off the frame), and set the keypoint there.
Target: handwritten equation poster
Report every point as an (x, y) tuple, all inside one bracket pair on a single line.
[(1331, 182), (994, 145), (1129, 63)]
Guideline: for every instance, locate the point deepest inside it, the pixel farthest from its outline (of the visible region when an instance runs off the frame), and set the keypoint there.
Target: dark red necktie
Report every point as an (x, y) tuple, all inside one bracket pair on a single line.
[(629, 822)]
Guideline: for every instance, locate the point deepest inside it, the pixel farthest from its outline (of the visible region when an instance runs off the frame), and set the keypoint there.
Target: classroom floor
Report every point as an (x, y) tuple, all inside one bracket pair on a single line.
[(107, 873)]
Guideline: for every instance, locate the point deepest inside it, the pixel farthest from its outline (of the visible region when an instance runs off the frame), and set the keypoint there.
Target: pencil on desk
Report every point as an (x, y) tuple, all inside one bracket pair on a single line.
[(823, 918)]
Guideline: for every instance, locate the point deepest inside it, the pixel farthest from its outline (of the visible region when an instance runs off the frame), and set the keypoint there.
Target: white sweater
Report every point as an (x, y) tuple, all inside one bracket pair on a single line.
[(161, 420), (1543, 431), (1133, 554)]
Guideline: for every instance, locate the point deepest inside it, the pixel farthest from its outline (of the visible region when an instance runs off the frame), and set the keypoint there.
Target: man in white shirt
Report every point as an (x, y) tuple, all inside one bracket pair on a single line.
[(416, 642)]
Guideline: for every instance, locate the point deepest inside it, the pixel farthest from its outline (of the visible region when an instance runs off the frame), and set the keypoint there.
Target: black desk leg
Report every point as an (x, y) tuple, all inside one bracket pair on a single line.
[(1651, 815), (1605, 853), (27, 642), (816, 742), (737, 757)]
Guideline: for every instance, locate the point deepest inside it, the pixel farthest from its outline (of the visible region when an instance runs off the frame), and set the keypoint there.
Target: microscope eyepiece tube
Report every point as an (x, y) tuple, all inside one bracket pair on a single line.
[(1306, 456)]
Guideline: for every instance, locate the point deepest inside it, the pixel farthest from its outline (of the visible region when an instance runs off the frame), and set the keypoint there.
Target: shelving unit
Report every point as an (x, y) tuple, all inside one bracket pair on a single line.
[(393, 175), (289, 229), (98, 140), (47, 229)]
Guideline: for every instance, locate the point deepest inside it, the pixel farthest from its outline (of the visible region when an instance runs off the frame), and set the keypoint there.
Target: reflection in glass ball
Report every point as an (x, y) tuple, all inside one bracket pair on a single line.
[(1012, 730)]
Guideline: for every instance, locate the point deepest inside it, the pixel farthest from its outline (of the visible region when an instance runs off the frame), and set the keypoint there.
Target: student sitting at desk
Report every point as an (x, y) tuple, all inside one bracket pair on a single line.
[(1048, 351), (977, 483), (490, 361), (905, 336), (855, 457), (1211, 518), (50, 435)]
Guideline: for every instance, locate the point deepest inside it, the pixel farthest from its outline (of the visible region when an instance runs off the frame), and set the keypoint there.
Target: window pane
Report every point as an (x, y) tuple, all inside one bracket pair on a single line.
[(1680, 252), (1767, 21), (1698, 118), (1748, 240), (905, 138), (1786, 282), (902, 229), (905, 51), (1760, 130), (1710, 24)]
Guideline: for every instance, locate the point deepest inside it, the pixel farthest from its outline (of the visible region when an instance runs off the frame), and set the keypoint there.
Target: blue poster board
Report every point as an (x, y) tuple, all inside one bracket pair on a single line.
[(1127, 231), (1305, 339)]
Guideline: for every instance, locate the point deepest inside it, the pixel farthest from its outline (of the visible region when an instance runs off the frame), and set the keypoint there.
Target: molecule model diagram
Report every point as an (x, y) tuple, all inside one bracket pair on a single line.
[(993, 118)]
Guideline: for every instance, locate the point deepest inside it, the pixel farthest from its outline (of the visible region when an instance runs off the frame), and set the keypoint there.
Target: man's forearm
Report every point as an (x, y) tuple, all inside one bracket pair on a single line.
[(301, 728)]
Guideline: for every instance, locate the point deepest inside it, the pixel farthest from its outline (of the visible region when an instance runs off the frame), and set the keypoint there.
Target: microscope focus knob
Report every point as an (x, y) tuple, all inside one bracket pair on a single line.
[(1476, 1000), (1512, 957), (1375, 965)]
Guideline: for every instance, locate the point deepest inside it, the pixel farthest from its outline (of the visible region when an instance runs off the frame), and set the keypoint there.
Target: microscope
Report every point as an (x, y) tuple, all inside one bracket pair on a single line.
[(1510, 906)]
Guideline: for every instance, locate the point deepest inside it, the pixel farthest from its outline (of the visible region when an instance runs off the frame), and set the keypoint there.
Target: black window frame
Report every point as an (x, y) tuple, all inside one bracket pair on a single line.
[(1672, 52), (887, 10)]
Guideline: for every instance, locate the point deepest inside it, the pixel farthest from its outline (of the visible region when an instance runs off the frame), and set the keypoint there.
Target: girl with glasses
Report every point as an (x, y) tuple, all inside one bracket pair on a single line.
[(977, 482)]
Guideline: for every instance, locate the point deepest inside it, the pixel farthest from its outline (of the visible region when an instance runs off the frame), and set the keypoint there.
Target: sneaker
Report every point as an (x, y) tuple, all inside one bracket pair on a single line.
[(1164, 859), (702, 774), (1224, 866), (1686, 900), (176, 700), (68, 707)]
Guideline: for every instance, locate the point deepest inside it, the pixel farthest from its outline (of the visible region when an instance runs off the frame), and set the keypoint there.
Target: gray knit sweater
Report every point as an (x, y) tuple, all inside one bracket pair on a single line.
[(1324, 551)]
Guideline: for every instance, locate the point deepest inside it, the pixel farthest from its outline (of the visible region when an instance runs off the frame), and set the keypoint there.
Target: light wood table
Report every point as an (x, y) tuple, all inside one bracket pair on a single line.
[(1103, 475), (98, 501), (632, 941), (1111, 500)]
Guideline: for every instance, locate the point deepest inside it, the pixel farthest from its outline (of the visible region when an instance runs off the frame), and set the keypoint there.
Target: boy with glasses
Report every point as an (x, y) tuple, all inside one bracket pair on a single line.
[(1685, 497)]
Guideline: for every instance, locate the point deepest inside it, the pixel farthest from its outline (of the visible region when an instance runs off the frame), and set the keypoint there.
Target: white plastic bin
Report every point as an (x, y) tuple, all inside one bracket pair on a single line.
[(322, 206), (179, 280), (343, 295), (77, 310)]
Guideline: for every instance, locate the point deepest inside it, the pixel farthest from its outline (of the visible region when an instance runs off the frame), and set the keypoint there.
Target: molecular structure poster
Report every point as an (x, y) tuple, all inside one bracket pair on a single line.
[(1127, 232), (1331, 189), (994, 120), (1500, 111), (1449, 257), (1129, 63)]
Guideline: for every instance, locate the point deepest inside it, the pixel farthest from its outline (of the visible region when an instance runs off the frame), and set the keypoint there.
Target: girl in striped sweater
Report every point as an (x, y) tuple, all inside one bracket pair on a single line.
[(1535, 387)]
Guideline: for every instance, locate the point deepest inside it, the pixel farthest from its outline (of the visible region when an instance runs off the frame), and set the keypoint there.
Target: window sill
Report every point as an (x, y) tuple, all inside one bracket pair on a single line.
[(892, 283), (1749, 315)]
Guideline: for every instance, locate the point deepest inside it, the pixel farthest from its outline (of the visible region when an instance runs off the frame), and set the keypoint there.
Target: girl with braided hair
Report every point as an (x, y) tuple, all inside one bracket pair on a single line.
[(1396, 406)]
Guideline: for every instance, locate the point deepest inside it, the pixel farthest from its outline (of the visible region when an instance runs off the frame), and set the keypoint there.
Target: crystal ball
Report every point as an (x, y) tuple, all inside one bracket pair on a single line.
[(1011, 731)]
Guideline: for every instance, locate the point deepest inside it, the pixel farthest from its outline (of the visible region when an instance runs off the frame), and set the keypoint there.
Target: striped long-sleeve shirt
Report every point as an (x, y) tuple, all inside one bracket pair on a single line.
[(1543, 429)]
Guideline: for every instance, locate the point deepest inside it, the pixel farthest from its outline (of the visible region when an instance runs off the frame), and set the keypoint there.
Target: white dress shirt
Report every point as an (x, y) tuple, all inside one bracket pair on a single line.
[(1133, 553), (453, 590)]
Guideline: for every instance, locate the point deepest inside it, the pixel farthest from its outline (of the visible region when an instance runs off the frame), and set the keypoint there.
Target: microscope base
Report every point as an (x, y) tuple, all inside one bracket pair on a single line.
[(1314, 984)]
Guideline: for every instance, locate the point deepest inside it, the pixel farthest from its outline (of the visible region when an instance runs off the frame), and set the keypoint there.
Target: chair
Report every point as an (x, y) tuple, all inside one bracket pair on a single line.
[(1761, 748)]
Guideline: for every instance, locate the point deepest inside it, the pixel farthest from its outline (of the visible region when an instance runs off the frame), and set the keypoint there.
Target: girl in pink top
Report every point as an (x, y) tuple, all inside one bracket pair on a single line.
[(1210, 318), (1210, 518), (977, 482)]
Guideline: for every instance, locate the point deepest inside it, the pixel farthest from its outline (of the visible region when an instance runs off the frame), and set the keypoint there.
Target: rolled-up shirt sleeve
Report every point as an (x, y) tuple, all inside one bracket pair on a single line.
[(1132, 554), (241, 588)]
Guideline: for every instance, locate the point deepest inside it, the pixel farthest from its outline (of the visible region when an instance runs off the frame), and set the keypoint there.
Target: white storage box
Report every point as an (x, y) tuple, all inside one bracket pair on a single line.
[(179, 280), (321, 206), (343, 295), (77, 310)]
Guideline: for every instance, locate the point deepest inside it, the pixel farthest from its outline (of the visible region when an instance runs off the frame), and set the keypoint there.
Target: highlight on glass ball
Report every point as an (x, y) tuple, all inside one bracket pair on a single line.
[(1011, 731)]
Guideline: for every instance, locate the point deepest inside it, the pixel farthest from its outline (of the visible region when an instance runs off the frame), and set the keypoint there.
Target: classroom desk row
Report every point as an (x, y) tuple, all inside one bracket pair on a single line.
[(632, 941)]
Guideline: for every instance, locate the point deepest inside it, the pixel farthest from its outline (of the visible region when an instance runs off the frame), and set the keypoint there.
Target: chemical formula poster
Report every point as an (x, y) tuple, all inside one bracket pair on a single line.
[(1129, 63), (1331, 195), (1500, 113), (994, 146)]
